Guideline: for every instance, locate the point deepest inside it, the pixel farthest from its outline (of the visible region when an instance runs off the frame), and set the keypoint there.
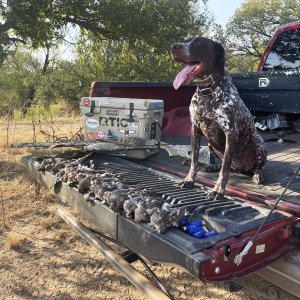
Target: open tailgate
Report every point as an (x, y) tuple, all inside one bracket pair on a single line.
[(210, 259)]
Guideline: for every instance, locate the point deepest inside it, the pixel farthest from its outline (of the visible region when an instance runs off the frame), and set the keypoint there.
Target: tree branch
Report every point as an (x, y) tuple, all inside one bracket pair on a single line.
[(5, 27), (16, 40), (89, 26), (253, 29)]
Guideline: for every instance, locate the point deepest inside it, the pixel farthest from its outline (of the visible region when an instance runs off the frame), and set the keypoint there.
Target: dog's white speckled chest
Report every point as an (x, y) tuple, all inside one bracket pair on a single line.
[(222, 112)]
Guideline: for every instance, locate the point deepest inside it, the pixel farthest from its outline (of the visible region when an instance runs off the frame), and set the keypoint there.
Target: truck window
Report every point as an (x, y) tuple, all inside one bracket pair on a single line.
[(285, 52)]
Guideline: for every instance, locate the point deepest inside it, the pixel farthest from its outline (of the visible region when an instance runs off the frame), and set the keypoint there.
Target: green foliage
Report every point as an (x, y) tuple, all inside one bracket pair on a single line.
[(20, 77), (143, 53), (15, 76), (40, 22), (121, 40), (68, 82), (24, 75), (125, 61), (38, 112), (252, 26)]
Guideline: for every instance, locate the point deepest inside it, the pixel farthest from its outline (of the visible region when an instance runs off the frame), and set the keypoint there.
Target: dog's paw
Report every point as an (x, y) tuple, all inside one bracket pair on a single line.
[(186, 162), (186, 183), (213, 195), (258, 178)]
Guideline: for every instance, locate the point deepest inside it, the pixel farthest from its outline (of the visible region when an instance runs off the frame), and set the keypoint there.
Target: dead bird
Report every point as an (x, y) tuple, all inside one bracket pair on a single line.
[(146, 208), (45, 162), (51, 165), (58, 166), (135, 197), (130, 205), (166, 217), (70, 176), (115, 199), (84, 185), (59, 177)]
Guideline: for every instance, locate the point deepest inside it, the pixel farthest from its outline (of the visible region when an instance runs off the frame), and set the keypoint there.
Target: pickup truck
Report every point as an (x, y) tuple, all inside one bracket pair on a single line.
[(273, 96), (271, 93)]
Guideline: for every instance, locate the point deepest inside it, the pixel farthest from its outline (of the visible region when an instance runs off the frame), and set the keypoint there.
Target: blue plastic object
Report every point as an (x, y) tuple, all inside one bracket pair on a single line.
[(195, 228)]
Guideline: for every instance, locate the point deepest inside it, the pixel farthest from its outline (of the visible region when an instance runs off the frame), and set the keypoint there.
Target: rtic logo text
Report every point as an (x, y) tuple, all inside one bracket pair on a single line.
[(113, 122)]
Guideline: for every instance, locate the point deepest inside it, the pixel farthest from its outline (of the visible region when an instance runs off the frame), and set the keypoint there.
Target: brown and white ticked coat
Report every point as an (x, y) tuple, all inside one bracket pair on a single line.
[(218, 113)]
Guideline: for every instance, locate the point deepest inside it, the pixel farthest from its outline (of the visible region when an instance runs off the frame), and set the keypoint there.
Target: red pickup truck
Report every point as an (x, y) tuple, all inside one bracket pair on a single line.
[(273, 96), (271, 93)]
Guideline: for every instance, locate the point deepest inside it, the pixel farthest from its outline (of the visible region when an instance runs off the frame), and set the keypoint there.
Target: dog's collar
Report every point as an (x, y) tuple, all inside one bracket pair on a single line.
[(205, 85), (205, 82)]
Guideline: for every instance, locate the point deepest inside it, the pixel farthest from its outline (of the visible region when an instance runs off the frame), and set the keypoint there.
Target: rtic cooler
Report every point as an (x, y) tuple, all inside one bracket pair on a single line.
[(110, 117)]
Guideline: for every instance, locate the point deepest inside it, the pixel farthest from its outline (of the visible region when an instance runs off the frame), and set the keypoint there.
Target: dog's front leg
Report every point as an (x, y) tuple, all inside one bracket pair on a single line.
[(219, 188), (195, 142)]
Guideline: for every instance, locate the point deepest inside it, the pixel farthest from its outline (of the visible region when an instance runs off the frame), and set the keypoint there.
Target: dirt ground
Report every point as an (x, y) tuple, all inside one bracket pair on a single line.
[(42, 258)]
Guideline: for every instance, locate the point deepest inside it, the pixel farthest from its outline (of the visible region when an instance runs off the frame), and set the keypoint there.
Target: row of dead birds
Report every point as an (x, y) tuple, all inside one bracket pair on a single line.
[(109, 187)]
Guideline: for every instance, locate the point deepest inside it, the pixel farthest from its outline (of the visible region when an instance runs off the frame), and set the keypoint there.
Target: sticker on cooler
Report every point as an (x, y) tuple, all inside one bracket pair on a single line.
[(92, 123), (86, 101), (126, 132), (90, 135), (134, 125), (110, 134), (112, 113), (109, 103), (100, 134)]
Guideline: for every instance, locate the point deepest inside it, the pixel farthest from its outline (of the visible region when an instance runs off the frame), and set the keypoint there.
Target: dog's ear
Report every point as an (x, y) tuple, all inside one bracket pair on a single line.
[(219, 57)]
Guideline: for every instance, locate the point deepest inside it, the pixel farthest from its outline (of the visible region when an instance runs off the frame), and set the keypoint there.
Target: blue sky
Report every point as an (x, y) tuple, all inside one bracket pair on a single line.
[(223, 9)]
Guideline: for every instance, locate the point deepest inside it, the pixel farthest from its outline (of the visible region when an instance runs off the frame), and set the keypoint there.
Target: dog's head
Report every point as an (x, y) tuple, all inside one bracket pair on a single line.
[(202, 57)]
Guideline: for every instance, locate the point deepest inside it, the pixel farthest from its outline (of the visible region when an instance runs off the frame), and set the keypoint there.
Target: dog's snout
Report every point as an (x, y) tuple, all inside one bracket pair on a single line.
[(176, 46)]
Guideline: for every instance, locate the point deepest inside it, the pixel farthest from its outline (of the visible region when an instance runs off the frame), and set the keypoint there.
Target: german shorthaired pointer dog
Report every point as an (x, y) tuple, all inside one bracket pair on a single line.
[(218, 113)]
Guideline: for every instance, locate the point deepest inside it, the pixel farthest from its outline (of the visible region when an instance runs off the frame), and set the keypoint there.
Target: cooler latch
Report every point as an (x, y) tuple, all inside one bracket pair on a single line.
[(131, 118), (91, 112)]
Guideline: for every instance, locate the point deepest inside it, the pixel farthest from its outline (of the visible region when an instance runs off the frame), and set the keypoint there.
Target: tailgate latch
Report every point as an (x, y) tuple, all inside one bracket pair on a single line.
[(239, 257)]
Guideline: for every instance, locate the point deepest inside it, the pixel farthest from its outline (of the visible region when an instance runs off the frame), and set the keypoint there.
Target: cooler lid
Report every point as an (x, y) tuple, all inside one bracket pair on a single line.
[(123, 103)]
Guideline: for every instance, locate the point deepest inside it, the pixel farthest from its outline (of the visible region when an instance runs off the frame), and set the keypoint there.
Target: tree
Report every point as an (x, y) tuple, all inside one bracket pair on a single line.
[(68, 82), (24, 71), (40, 21), (145, 56), (252, 26), (125, 39)]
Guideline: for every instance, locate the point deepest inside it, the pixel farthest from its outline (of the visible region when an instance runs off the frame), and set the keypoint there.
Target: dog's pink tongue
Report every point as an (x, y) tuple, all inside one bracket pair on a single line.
[(183, 76)]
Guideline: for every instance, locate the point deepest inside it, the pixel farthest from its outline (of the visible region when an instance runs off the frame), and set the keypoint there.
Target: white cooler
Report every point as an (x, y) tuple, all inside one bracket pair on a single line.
[(110, 117)]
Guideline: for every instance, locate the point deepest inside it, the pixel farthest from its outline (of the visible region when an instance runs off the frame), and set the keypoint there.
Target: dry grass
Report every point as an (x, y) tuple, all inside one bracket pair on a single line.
[(24, 131), (13, 241), (42, 258), (18, 213), (17, 190), (52, 222)]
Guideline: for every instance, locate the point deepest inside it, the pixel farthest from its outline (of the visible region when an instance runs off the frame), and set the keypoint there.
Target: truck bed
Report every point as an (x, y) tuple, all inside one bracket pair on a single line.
[(203, 258), (283, 160)]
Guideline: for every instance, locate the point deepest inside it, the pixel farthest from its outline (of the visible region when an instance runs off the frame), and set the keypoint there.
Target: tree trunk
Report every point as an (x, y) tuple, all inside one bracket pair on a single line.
[(32, 87)]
